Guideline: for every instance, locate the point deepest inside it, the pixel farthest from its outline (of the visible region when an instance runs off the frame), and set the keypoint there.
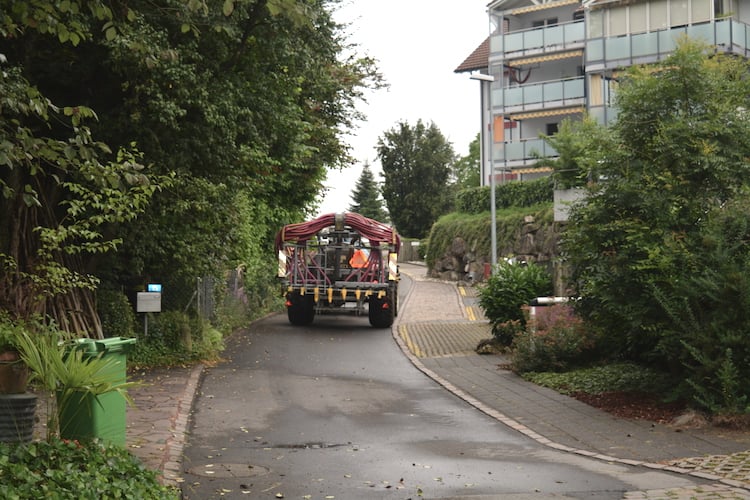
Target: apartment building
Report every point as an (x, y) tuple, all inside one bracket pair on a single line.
[(560, 59)]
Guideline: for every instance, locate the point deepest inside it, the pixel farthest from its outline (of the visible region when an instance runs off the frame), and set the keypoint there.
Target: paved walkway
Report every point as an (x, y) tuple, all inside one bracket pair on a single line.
[(438, 327)]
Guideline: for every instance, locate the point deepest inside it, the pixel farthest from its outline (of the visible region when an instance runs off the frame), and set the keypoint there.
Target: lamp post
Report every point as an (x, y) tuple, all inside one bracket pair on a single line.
[(486, 103)]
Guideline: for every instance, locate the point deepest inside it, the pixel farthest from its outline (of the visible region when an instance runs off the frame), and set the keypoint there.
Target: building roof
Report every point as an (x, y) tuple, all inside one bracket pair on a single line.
[(477, 60)]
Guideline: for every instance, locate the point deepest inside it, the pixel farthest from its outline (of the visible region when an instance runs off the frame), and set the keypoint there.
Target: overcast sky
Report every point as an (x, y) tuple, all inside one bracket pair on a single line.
[(418, 44)]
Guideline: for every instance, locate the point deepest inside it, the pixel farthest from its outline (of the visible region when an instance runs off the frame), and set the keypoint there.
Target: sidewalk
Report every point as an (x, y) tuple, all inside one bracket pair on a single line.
[(438, 326), (444, 350)]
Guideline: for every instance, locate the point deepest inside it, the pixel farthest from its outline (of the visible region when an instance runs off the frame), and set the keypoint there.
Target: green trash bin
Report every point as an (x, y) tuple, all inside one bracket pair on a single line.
[(85, 416)]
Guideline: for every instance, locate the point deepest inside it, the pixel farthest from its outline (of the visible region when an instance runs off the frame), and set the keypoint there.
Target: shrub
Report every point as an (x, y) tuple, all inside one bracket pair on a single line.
[(556, 341), (70, 470), (116, 313), (174, 338), (510, 287)]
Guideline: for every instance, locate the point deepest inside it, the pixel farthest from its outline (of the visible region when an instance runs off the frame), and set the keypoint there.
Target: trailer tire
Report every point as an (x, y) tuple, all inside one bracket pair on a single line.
[(300, 309), (381, 312)]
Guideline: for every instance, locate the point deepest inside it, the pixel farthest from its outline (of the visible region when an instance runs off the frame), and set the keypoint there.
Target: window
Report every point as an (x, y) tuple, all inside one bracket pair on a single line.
[(552, 128)]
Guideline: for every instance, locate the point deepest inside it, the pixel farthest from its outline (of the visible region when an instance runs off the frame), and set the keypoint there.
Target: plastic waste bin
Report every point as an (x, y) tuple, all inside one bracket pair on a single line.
[(86, 416)]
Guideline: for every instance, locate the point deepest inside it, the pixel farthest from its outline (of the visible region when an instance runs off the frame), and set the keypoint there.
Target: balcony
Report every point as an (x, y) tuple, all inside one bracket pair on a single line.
[(642, 48), (540, 95), (537, 40), (523, 152)]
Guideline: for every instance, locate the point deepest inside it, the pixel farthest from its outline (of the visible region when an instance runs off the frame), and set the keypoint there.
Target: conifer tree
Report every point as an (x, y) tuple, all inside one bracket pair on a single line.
[(366, 197)]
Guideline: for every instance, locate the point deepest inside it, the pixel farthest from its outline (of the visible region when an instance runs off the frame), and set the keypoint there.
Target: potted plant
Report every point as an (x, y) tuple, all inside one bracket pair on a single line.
[(82, 384), (17, 407), (14, 373)]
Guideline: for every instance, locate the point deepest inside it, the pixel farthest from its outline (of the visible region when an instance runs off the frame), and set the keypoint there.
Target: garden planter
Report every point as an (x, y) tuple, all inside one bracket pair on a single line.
[(14, 373), (17, 417)]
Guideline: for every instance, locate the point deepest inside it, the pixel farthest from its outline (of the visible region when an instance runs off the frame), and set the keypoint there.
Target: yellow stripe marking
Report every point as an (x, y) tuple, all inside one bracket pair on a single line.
[(470, 313), (409, 343), (462, 291)]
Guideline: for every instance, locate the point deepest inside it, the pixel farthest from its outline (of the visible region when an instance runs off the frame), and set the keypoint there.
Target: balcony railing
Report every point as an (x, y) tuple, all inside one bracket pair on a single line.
[(535, 40), (539, 95), (626, 50), (523, 151)]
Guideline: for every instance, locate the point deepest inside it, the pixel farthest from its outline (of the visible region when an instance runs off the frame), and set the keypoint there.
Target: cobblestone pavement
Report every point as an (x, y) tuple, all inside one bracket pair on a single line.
[(443, 346)]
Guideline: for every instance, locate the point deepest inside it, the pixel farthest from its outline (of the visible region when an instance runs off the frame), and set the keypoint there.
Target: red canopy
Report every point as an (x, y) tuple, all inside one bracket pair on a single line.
[(375, 231)]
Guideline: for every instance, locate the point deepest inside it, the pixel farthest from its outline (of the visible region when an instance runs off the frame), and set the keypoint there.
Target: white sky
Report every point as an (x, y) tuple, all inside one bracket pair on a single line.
[(418, 44)]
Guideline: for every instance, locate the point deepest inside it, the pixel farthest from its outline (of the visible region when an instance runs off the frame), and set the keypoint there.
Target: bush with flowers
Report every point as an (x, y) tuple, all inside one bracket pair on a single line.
[(554, 340)]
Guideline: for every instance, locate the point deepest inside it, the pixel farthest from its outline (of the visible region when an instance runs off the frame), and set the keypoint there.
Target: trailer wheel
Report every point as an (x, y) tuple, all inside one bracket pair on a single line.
[(381, 311), (300, 309)]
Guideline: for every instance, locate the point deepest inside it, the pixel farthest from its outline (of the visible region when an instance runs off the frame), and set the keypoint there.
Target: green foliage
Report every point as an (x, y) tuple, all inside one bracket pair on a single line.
[(176, 338), (240, 101), (658, 251), (556, 340), (416, 164), (366, 197), (475, 230), (511, 194), (599, 379), (510, 287), (116, 313), (62, 367), (579, 145), (70, 470), (466, 170)]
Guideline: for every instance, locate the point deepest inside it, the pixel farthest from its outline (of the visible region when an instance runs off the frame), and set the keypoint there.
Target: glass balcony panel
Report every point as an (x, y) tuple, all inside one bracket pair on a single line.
[(703, 32), (513, 42), (514, 151), (740, 34), (617, 48), (533, 39), (496, 44), (574, 32), (513, 96), (533, 94), (598, 114), (668, 39), (534, 148), (644, 44), (594, 50), (552, 91), (498, 151), (573, 88), (497, 97), (554, 35)]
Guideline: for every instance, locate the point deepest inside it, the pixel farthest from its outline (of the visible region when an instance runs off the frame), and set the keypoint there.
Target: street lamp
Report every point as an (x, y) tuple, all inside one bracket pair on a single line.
[(486, 153)]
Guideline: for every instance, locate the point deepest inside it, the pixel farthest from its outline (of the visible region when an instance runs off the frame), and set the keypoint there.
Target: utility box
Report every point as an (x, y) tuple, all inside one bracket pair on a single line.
[(148, 302), (87, 416)]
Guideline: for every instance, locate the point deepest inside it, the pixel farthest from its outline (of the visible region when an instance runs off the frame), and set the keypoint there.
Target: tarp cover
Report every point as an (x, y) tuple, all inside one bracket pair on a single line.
[(375, 231)]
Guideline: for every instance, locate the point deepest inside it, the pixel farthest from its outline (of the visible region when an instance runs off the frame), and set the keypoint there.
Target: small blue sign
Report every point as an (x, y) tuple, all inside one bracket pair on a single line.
[(154, 287)]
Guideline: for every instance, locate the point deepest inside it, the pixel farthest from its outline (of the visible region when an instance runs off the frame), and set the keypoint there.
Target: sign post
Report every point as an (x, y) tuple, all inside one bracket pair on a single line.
[(148, 302)]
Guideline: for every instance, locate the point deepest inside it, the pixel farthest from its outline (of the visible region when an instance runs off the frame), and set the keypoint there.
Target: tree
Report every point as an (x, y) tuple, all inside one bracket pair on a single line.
[(366, 197), (416, 164), (466, 170), (658, 250), (240, 104)]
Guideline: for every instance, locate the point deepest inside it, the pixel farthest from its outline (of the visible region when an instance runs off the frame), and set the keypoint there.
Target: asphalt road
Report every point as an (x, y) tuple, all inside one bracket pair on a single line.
[(335, 410)]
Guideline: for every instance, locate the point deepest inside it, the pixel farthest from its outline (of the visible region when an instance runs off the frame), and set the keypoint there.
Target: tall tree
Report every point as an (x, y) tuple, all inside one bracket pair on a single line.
[(416, 164), (466, 170), (242, 103), (659, 247), (366, 196)]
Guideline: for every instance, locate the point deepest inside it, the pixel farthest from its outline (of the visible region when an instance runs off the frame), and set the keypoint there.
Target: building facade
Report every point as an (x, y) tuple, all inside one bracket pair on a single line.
[(560, 59)]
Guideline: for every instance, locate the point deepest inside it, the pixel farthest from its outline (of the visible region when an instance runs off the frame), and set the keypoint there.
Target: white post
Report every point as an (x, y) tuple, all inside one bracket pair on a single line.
[(488, 129)]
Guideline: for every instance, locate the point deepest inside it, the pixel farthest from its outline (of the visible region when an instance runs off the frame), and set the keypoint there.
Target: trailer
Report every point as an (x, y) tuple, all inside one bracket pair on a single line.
[(339, 263)]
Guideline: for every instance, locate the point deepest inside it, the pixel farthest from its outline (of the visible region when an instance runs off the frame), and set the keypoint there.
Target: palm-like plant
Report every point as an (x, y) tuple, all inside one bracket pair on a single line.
[(68, 373)]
